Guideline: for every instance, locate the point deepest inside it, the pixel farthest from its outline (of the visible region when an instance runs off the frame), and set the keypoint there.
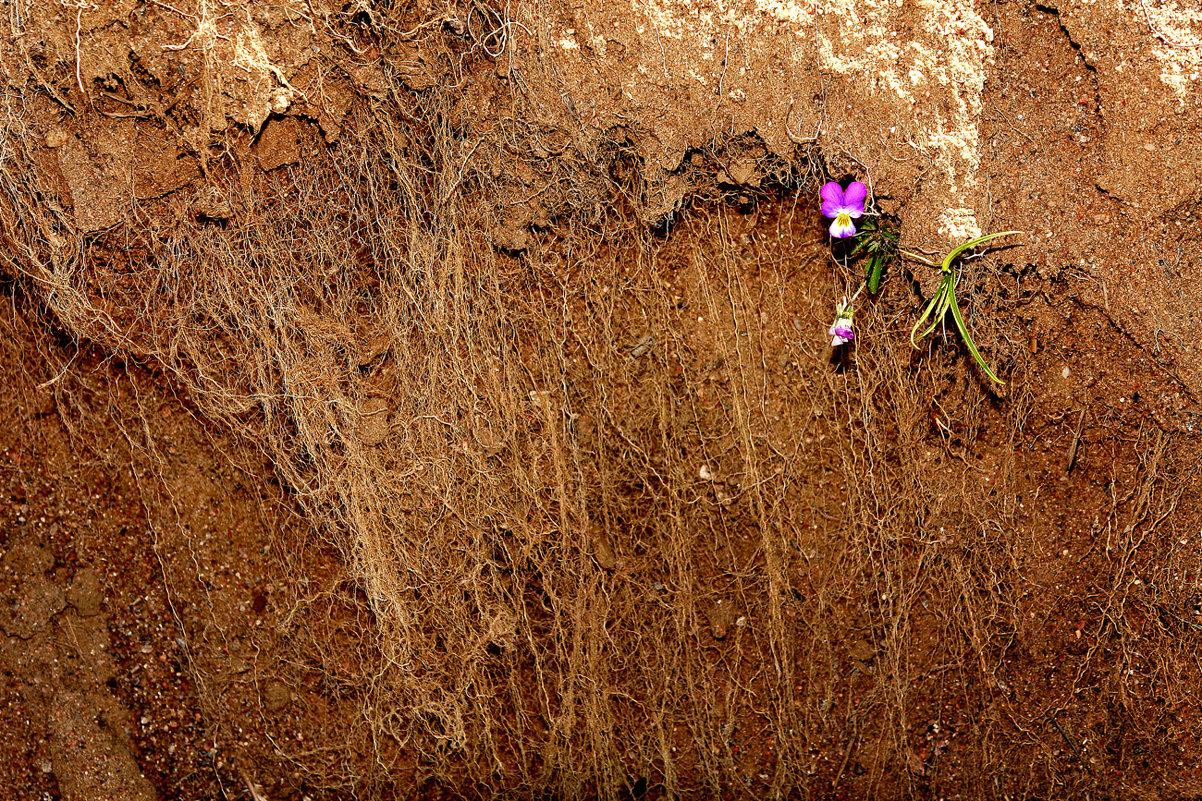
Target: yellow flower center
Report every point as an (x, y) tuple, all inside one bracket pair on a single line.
[(843, 220)]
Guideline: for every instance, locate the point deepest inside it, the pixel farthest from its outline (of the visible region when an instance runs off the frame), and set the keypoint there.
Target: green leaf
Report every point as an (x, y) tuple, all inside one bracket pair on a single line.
[(947, 262), (972, 346), (935, 310), (945, 298), (876, 270), (877, 241)]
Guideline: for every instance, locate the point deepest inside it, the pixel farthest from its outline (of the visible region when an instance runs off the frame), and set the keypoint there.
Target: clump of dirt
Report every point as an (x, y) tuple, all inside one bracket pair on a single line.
[(531, 340)]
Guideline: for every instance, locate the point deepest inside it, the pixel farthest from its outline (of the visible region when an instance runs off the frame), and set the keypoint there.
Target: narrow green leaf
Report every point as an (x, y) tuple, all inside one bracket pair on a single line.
[(947, 262), (972, 346), (926, 312), (935, 310), (876, 270)]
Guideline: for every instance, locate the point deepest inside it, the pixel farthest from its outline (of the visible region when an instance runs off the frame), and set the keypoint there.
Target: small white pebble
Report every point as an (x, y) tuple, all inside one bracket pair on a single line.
[(1065, 373)]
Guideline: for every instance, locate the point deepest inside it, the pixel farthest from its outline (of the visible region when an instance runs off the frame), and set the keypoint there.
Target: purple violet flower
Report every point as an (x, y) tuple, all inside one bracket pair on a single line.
[(843, 206), (841, 331)]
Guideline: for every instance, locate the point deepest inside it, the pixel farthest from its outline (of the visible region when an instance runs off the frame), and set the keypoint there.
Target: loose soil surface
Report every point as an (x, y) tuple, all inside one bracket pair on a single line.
[(434, 402)]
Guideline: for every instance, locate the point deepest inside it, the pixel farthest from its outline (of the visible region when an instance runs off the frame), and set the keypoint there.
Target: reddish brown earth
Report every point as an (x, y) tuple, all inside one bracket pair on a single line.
[(117, 667), (414, 402)]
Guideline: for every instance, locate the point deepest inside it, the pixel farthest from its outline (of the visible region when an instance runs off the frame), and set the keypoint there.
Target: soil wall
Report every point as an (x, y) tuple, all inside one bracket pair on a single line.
[(456, 378)]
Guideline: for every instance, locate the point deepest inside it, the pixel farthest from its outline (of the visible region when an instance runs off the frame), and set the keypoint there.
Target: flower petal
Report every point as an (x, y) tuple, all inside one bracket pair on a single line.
[(854, 198), (841, 229), (832, 192), (832, 199), (841, 331)]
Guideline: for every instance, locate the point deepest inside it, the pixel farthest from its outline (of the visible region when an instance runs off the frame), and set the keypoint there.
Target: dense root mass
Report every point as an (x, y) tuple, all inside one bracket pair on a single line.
[(613, 514)]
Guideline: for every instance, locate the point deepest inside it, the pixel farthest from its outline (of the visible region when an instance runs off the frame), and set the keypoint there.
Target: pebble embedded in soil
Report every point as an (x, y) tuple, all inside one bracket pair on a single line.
[(863, 652), (373, 421), (602, 551), (276, 696), (722, 616)]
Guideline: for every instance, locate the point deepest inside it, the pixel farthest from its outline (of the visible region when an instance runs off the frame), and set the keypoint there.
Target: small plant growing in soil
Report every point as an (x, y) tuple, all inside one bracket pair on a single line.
[(841, 331), (843, 206), (877, 236), (877, 240), (944, 300)]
